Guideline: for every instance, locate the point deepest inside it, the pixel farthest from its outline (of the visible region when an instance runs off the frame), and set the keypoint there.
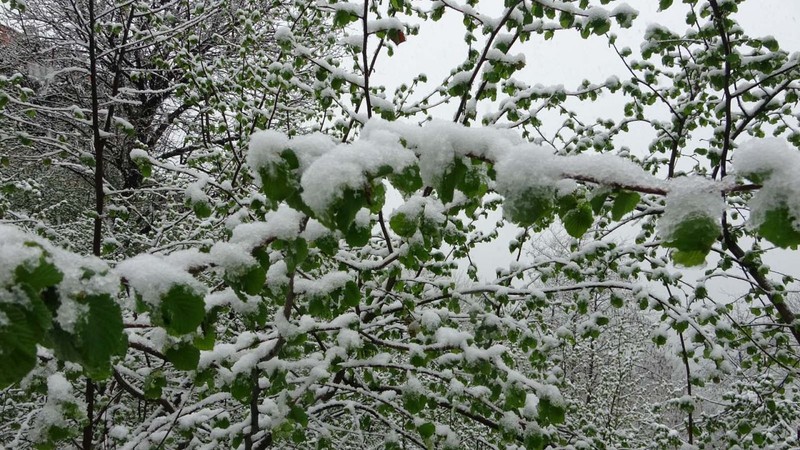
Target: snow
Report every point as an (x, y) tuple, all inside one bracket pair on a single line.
[(21, 249), (690, 197), (69, 313), (775, 165), (351, 7), (233, 257), (413, 386), (309, 147), (277, 274), (314, 230), (228, 297), (510, 422), (323, 285), (264, 150), (624, 8), (551, 394), (118, 432), (327, 169), (363, 218), (438, 143), (387, 23), (283, 223), (386, 322), (58, 388), (347, 166), (456, 387), (14, 253), (188, 259), (51, 414), (497, 55), (194, 192), (344, 320), (283, 33), (348, 339), (430, 320), (417, 206), (151, 277), (531, 408), (452, 338), (138, 153), (460, 78), (596, 13), (355, 41)]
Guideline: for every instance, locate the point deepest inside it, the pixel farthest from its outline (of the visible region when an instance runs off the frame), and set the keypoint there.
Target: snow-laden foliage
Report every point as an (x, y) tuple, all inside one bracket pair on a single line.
[(285, 254)]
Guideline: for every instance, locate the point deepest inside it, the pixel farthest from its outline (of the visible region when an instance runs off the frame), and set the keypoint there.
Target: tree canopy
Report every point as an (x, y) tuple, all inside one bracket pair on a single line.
[(220, 227)]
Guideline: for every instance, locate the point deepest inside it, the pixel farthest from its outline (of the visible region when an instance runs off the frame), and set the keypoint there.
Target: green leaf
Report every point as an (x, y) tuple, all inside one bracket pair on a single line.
[(298, 415), (403, 225), (279, 180), (357, 236), (535, 441), (327, 244), (426, 430), (241, 388), (600, 26), (771, 44), (317, 307), (18, 339), (550, 413), (413, 403), (624, 202), (533, 206), (472, 185), (693, 239), (342, 18), (515, 398), (566, 19), (44, 275), (397, 4), (778, 227), (207, 339), (664, 4), (298, 436), (407, 181), (377, 197), (144, 166), (351, 295), (296, 253), (184, 356), (453, 176), (598, 201), (689, 258), (101, 336), (743, 428), (182, 310), (252, 282), (343, 212), (154, 384), (578, 220), (201, 209)]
